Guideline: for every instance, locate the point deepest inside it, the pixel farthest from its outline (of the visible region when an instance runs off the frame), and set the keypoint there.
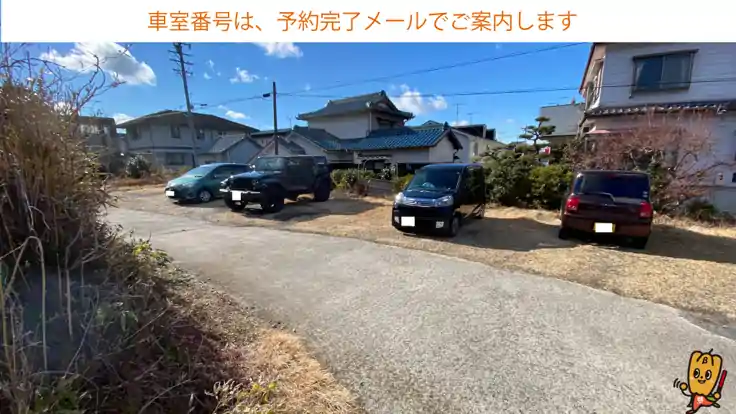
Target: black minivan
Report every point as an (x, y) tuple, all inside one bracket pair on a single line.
[(439, 197)]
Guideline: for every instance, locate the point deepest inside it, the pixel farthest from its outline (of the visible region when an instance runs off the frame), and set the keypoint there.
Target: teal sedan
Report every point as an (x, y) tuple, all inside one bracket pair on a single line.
[(202, 184)]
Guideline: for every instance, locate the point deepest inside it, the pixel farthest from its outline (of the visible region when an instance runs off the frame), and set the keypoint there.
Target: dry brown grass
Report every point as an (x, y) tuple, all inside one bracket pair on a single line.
[(686, 265), (256, 354), (94, 322)]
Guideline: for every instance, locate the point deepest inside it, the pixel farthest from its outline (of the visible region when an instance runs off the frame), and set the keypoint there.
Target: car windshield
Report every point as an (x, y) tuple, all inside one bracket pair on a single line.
[(270, 164), (615, 185), (199, 171), (435, 179)]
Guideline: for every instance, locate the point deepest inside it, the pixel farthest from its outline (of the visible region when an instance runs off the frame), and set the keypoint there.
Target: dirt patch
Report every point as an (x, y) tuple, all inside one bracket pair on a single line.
[(685, 265)]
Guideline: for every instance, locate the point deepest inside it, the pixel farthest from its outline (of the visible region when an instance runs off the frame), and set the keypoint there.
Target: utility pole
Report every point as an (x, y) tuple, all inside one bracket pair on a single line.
[(457, 113), (470, 117), (272, 95), (182, 71)]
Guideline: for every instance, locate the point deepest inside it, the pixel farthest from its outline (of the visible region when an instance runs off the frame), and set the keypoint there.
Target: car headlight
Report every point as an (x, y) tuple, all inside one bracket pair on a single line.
[(445, 201), (399, 199)]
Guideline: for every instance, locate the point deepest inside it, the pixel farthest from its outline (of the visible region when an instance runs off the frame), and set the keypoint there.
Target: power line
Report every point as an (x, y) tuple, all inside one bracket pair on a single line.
[(511, 91), (411, 73), (446, 67)]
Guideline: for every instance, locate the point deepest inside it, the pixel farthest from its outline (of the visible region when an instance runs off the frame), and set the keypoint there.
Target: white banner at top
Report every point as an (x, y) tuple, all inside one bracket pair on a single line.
[(226, 21)]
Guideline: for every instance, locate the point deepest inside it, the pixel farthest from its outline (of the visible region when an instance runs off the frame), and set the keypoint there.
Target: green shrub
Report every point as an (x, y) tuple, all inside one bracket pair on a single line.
[(138, 167), (344, 179), (548, 185), (508, 178), (398, 183), (701, 210)]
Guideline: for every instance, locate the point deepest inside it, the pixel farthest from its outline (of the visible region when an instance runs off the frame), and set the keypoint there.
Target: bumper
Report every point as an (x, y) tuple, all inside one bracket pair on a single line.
[(424, 220), (181, 193), (621, 228), (238, 196)]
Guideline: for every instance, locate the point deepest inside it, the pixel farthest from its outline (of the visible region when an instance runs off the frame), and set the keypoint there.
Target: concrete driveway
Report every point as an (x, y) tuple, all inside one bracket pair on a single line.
[(413, 332)]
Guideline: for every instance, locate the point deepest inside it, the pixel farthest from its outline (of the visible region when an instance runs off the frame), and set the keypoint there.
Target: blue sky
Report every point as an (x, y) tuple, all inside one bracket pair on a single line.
[(224, 75)]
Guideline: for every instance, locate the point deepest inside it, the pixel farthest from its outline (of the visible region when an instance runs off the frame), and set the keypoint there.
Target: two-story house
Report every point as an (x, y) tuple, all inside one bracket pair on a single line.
[(165, 139), (622, 80), (101, 137), (566, 120), (370, 130)]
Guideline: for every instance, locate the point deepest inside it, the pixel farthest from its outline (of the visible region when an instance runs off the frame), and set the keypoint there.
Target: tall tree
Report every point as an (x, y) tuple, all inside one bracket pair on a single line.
[(534, 133)]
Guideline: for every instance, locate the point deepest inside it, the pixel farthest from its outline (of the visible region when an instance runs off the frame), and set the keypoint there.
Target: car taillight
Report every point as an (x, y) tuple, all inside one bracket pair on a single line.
[(646, 210), (572, 203)]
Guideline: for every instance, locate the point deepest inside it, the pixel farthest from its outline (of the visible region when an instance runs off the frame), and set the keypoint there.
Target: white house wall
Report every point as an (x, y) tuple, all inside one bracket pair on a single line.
[(712, 61), (344, 127), (444, 151), (565, 118)]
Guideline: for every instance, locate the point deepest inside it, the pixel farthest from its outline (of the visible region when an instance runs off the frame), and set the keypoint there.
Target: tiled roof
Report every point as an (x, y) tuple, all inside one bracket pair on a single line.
[(206, 121), (226, 142), (269, 133), (668, 107), (383, 139), (354, 104), (292, 147), (319, 137)]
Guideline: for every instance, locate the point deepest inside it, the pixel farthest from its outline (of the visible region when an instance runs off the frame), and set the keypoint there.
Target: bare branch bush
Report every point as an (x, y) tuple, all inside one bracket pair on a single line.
[(677, 149), (89, 320)]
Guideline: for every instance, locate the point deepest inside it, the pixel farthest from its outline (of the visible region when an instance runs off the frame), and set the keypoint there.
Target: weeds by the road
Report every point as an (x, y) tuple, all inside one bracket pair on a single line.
[(92, 322)]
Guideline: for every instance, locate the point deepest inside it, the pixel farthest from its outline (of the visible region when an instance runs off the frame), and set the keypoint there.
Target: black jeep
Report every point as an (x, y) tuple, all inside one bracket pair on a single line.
[(275, 178)]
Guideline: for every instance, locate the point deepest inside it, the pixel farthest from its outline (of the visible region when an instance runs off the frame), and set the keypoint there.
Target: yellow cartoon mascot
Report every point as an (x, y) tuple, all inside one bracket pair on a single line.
[(703, 373)]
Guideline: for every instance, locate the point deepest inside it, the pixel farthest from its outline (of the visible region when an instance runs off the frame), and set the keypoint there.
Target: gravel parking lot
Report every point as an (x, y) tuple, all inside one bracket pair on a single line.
[(686, 266)]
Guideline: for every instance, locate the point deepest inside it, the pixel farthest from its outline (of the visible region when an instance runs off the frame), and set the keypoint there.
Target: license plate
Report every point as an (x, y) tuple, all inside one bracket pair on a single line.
[(408, 222), (604, 227), (236, 195), (170, 193)]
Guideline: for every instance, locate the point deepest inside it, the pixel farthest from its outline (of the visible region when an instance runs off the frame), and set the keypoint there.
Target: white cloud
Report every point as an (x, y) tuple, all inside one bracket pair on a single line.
[(207, 76), (510, 121), (232, 114), (211, 64), (242, 76), (235, 115), (413, 101), (114, 59), (460, 123), (120, 118), (281, 50), (307, 87)]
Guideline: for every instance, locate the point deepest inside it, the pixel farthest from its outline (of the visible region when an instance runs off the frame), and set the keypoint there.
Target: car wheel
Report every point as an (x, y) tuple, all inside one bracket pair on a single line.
[(454, 227), (322, 192), (639, 243), (272, 204), (563, 233), (204, 196)]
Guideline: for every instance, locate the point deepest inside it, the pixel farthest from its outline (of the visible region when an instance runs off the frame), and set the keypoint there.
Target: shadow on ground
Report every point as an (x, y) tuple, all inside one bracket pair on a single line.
[(525, 234), (304, 209)]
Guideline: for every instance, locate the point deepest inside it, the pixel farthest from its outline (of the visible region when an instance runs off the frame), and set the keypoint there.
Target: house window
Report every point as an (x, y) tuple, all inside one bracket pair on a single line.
[(733, 178), (134, 133), (383, 123), (175, 158), (662, 72), (175, 131), (200, 134)]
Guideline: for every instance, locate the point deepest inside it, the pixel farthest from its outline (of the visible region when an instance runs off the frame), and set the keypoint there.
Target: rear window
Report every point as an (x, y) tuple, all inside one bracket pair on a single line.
[(617, 185)]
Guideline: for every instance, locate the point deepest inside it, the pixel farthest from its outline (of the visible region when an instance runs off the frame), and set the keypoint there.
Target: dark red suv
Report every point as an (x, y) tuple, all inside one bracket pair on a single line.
[(609, 202)]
